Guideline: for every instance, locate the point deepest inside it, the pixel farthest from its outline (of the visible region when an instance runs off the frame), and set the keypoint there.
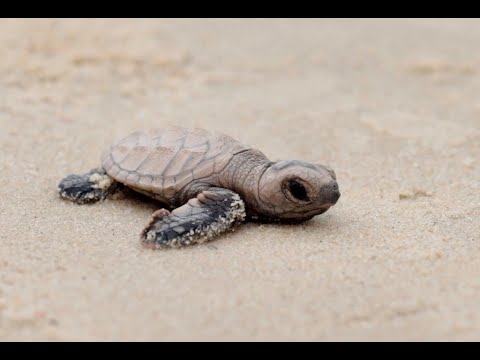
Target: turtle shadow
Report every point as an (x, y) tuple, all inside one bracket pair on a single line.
[(135, 199)]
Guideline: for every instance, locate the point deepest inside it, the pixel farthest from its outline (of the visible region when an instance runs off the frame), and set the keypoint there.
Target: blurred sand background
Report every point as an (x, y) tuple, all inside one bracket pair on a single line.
[(392, 105)]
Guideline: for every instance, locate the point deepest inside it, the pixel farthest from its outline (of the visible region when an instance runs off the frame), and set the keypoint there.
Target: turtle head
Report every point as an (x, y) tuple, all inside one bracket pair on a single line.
[(295, 190)]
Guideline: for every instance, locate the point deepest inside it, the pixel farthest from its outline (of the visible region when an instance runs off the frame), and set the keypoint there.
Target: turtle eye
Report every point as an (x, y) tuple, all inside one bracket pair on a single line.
[(297, 190)]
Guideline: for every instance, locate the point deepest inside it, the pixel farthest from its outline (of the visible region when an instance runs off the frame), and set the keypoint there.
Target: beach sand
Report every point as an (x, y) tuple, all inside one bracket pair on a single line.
[(391, 105)]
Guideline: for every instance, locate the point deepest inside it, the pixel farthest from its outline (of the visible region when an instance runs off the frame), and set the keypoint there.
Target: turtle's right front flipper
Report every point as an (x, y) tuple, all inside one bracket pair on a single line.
[(201, 219), (92, 186)]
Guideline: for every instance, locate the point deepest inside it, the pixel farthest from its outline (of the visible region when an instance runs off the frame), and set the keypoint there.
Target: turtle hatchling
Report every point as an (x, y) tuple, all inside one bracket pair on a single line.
[(207, 182)]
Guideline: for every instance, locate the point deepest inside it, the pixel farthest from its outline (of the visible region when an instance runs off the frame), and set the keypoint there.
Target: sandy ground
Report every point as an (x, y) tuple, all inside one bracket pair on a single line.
[(392, 105)]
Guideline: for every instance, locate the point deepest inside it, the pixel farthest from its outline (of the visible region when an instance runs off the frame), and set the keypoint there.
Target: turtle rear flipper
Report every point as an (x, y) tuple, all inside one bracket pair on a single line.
[(90, 187), (212, 212)]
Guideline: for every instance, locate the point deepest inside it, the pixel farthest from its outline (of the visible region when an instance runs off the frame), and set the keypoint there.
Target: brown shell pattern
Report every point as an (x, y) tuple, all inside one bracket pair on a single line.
[(163, 161)]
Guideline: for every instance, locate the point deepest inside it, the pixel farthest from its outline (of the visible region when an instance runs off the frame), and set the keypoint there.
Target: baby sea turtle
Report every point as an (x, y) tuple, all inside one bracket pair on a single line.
[(208, 180)]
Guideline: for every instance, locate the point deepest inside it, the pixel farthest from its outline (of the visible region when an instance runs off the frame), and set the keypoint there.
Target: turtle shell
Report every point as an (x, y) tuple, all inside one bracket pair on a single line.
[(160, 162)]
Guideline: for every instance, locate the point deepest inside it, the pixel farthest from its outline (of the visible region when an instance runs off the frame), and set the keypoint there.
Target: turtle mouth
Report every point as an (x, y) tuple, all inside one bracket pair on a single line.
[(307, 215), (324, 208)]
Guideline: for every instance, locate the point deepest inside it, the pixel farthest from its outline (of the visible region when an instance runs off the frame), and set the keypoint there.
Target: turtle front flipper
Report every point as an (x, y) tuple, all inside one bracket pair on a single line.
[(212, 212), (92, 186)]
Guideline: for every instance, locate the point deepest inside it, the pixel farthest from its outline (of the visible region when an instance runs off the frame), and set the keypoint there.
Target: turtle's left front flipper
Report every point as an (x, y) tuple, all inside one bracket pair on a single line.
[(212, 212), (90, 187)]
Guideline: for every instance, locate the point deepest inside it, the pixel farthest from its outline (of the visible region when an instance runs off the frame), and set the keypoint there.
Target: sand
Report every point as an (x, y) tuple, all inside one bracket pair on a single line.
[(391, 105)]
